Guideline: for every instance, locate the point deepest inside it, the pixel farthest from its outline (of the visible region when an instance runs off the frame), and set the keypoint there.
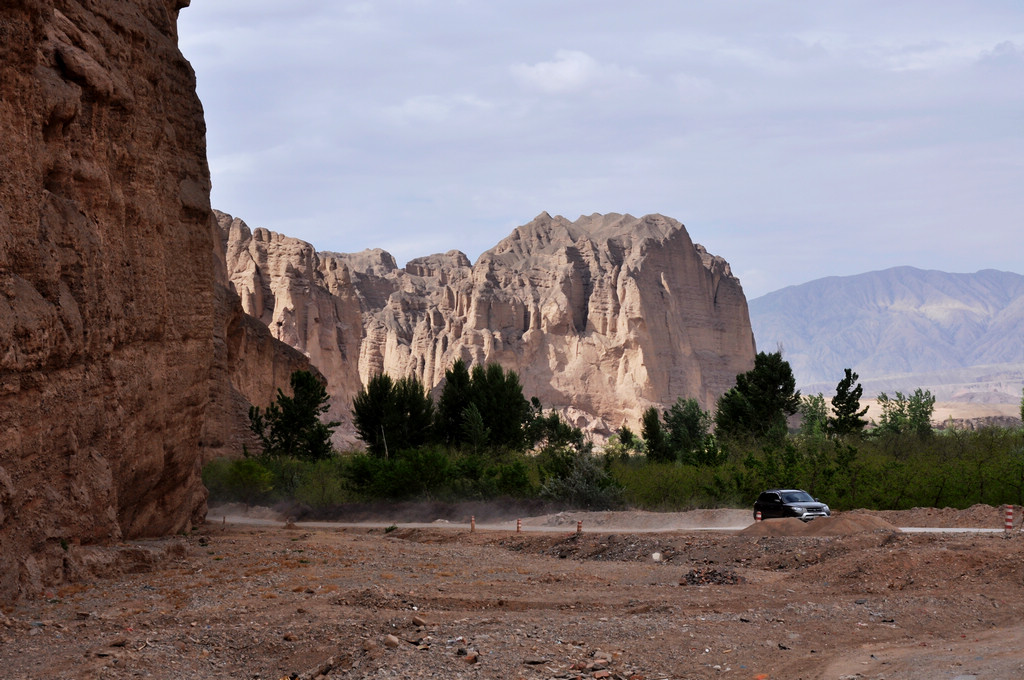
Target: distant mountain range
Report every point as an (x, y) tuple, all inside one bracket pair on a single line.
[(959, 335)]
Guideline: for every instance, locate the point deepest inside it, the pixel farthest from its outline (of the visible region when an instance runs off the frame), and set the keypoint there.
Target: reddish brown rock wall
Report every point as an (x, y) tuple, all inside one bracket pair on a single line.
[(249, 367), (106, 270)]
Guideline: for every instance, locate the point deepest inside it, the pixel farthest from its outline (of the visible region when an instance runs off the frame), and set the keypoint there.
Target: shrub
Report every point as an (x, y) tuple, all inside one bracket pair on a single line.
[(407, 475), (659, 486), (578, 478), (322, 484), (244, 480)]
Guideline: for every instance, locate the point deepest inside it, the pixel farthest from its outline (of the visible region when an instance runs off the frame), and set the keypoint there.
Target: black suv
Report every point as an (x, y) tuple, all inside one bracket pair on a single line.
[(789, 503)]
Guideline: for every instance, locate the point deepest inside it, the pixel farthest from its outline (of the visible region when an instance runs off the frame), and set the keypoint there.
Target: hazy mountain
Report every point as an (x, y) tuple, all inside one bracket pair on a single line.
[(960, 335)]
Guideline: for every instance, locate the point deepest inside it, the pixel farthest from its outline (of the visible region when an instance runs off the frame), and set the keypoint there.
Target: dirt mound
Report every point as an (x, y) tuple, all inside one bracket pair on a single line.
[(845, 524), (980, 515)]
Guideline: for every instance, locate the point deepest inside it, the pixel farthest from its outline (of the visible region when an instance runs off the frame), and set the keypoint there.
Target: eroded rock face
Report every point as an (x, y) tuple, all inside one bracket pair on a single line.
[(106, 271), (249, 367), (601, 317), (304, 300)]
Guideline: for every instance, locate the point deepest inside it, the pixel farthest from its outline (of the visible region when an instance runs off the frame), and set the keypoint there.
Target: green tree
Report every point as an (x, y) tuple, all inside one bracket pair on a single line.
[(473, 430), (415, 413), (245, 480), (813, 415), (734, 415), (292, 425), (762, 399), (893, 419), (628, 439), (658, 448), (849, 416), (920, 407), (498, 396), (249, 481), (390, 416), (372, 413), (621, 445), (687, 425), (552, 430), (456, 396), (905, 415), (580, 480)]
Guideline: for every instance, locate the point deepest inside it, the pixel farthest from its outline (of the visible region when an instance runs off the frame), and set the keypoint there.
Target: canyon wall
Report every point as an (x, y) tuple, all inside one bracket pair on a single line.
[(601, 317), (249, 367), (121, 360)]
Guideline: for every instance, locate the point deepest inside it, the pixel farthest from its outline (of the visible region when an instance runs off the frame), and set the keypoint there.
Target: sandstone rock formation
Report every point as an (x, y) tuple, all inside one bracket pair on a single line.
[(113, 358), (601, 317)]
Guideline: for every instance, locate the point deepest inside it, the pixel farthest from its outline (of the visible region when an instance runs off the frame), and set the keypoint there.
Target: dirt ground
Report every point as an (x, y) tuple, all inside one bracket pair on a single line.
[(632, 596)]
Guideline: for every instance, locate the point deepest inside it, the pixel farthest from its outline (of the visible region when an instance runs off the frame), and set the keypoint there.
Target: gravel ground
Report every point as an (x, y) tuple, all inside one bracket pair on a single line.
[(850, 597)]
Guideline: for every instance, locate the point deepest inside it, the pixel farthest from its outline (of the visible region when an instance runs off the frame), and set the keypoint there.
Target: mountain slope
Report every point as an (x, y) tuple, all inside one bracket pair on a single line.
[(894, 324)]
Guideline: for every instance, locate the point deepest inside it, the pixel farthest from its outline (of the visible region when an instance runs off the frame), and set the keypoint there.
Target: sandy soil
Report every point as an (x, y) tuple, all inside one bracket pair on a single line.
[(635, 595)]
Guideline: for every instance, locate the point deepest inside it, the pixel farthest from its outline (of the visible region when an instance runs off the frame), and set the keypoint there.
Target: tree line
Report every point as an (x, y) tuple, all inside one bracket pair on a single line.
[(484, 439), (756, 412)]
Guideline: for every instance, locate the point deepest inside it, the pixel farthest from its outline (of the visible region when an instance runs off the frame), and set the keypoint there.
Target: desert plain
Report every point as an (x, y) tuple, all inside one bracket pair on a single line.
[(700, 594)]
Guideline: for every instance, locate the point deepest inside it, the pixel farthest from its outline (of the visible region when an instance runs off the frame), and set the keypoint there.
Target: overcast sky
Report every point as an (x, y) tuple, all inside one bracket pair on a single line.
[(795, 139)]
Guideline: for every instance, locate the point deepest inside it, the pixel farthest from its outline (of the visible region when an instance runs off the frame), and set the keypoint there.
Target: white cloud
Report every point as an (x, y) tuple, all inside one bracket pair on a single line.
[(571, 72), (846, 128)]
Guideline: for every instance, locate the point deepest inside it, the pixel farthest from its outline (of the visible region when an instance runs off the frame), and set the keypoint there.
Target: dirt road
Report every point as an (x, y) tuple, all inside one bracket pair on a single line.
[(850, 598)]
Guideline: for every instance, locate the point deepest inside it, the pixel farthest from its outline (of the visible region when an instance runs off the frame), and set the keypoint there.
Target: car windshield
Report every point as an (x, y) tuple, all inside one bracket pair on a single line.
[(797, 497)]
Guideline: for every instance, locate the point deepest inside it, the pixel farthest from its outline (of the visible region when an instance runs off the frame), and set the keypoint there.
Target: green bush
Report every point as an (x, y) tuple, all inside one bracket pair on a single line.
[(577, 478), (669, 486), (244, 480), (322, 484), (214, 477), (410, 474), (438, 474), (513, 479)]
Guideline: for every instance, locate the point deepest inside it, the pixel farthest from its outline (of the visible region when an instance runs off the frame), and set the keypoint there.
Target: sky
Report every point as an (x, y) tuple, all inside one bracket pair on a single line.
[(796, 139)]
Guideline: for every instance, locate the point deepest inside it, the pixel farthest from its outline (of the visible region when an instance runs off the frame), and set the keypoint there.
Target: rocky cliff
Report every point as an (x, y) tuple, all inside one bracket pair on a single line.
[(601, 317), (249, 366), (116, 347)]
